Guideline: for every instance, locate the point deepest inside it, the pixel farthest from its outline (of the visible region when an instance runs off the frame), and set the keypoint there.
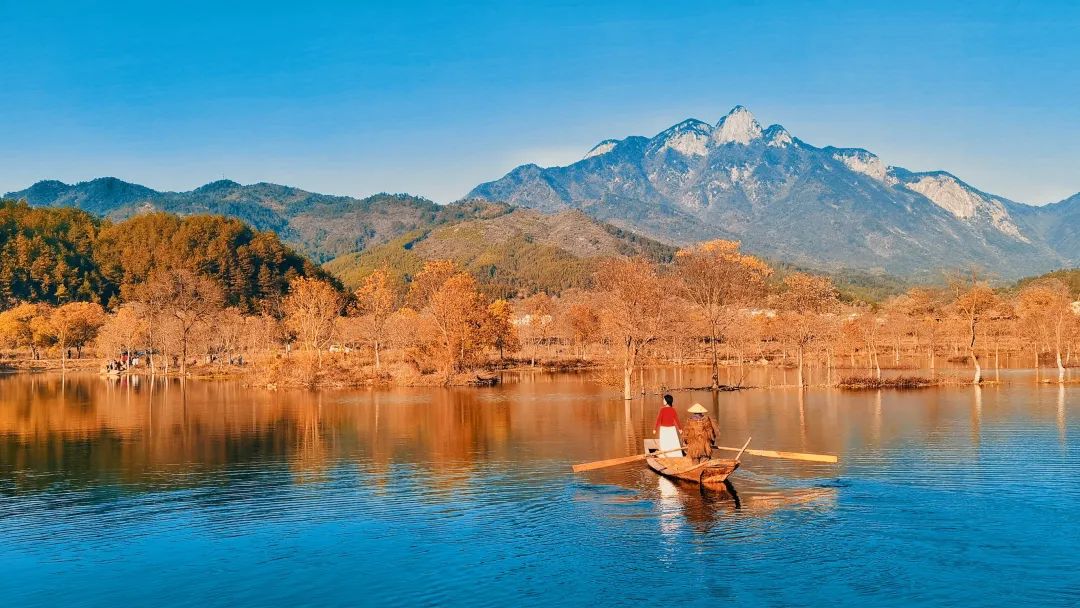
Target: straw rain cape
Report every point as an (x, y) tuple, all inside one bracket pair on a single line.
[(699, 435)]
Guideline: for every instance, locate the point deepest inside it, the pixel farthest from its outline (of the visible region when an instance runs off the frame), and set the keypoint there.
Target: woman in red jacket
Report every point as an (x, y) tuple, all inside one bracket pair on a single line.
[(667, 425)]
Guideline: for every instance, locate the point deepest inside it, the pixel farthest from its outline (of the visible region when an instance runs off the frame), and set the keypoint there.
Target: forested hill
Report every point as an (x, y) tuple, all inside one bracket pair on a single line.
[(1070, 277), (63, 254), (321, 226), (520, 252)]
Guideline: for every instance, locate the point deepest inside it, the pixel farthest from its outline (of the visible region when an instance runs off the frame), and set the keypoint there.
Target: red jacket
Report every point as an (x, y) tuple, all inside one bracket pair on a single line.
[(667, 417)]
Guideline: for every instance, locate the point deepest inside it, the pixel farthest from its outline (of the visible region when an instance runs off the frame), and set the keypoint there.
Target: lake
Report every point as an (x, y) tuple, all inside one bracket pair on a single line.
[(210, 493)]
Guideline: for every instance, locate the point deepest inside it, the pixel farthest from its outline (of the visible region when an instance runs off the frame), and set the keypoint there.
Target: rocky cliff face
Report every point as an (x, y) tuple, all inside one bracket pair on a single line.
[(784, 198)]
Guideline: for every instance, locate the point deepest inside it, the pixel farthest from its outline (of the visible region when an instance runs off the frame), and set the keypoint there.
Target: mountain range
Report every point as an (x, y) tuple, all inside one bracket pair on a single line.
[(832, 209), (320, 225), (829, 208)]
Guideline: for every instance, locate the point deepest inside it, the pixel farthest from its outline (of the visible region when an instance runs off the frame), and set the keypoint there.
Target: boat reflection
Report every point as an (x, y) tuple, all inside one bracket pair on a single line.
[(705, 508), (697, 506)]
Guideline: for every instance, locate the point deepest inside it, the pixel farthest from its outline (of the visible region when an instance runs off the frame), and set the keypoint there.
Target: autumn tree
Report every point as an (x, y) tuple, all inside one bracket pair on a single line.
[(73, 325), (503, 332), (228, 335), (182, 302), (538, 310), (924, 306), (311, 308), (26, 326), (632, 297), (1047, 305), (742, 336), (413, 335), (430, 279), (803, 303), (375, 301), (896, 325), (866, 325), (461, 315), (150, 302), (583, 324), (719, 281), (972, 303), (126, 330)]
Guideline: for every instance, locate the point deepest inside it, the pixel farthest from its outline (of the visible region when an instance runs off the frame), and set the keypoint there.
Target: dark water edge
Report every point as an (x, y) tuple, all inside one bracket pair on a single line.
[(209, 493)]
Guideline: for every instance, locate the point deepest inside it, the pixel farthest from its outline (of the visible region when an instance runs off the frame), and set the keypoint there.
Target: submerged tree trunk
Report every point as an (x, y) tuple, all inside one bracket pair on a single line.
[(1060, 365), (800, 362), (715, 363), (1036, 361), (183, 355), (974, 357)]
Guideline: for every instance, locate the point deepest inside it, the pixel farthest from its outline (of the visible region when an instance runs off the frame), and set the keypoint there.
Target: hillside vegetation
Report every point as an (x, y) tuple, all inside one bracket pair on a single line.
[(322, 226), (1068, 276), (520, 252), (58, 255)]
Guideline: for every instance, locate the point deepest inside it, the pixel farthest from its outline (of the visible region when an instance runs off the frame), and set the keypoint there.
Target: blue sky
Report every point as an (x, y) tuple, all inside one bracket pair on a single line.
[(433, 98)]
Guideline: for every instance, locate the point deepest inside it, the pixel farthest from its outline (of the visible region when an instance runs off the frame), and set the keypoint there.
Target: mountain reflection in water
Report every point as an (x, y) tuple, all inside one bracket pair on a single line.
[(942, 496)]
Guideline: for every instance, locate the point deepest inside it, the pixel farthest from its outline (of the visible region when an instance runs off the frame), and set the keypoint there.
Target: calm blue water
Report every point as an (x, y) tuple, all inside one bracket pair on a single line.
[(212, 494)]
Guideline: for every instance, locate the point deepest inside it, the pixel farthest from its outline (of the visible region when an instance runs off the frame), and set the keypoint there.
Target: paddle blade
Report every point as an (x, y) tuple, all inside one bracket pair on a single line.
[(829, 458), (600, 464)]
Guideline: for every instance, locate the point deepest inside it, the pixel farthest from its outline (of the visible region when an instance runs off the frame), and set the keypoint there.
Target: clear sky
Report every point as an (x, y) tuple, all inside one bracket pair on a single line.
[(434, 98)]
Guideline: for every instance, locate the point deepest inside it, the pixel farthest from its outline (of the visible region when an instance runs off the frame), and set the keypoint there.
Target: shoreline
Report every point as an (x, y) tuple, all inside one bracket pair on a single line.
[(253, 376)]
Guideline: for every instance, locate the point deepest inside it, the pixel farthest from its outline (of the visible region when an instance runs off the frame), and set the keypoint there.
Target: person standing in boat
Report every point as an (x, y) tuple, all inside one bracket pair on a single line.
[(667, 425), (700, 433)]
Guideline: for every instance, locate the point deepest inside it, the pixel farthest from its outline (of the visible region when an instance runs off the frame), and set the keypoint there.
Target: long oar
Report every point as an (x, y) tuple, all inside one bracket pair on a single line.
[(600, 464), (788, 455), (743, 449)]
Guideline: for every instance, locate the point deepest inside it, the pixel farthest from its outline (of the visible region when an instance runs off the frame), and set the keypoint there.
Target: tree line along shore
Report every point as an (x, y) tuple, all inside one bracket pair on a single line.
[(209, 296)]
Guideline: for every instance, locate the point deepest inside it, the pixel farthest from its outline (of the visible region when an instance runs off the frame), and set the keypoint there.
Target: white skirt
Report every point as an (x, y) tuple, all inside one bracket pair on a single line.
[(669, 440)]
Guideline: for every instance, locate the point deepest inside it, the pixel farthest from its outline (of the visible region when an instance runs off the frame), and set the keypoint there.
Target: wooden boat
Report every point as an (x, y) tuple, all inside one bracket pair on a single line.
[(710, 472)]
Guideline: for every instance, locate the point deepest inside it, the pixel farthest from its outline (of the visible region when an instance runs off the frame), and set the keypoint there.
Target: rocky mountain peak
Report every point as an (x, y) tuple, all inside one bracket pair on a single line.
[(602, 148), (689, 138), (777, 137), (739, 127)]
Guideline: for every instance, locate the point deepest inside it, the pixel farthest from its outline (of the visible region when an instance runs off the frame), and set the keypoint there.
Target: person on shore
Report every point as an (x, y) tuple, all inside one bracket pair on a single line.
[(667, 425), (700, 433)]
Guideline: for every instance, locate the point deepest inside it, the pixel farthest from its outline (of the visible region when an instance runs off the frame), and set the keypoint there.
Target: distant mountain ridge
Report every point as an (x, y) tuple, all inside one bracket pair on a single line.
[(830, 208), (320, 225), (520, 252)]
